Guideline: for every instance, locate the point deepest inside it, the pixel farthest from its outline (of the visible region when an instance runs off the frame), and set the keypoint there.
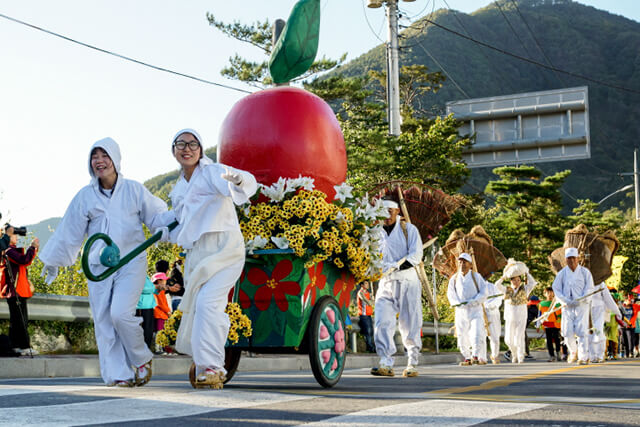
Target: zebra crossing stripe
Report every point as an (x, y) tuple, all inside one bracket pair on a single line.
[(428, 412)]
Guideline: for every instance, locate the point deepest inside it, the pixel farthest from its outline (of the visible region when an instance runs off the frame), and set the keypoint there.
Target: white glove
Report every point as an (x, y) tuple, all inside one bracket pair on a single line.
[(232, 177), (49, 273), (165, 233)]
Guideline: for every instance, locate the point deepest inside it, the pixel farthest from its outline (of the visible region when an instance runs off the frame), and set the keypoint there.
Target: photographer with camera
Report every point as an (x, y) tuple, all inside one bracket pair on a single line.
[(15, 286)]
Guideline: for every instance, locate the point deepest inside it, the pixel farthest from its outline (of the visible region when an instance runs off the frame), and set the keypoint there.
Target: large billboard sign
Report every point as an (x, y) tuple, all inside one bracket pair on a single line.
[(525, 128)]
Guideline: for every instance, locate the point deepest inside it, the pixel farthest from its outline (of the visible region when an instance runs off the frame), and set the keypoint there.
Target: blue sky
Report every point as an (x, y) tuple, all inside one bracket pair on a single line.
[(58, 97)]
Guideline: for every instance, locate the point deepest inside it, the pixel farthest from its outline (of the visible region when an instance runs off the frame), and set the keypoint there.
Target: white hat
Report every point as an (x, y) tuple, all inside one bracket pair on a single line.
[(514, 269), (569, 252), (389, 204), (465, 256)]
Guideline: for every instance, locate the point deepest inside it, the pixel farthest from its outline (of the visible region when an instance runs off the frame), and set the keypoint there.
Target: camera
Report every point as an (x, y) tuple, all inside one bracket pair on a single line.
[(20, 231)]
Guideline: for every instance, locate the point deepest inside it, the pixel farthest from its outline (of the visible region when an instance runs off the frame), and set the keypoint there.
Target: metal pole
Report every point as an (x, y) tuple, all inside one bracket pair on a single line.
[(435, 295), (635, 182), (393, 75)]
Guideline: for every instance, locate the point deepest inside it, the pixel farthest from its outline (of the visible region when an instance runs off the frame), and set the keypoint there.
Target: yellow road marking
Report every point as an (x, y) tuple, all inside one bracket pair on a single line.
[(503, 382)]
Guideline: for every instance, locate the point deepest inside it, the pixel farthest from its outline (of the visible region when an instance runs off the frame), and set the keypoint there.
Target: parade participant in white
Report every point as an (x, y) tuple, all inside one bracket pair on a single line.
[(467, 292), (515, 306), (602, 304), (118, 207), (572, 283), (203, 200), (492, 310), (399, 293)]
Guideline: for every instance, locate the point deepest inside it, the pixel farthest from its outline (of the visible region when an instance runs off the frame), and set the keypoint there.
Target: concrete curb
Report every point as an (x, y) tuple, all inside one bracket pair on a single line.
[(88, 366)]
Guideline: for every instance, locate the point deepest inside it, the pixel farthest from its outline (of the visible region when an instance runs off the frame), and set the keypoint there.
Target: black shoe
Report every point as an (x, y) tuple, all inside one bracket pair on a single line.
[(529, 357), (507, 355)]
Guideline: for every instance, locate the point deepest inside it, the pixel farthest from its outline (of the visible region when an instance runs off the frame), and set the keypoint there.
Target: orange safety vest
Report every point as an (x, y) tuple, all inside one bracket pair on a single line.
[(553, 321), (368, 310), (162, 307)]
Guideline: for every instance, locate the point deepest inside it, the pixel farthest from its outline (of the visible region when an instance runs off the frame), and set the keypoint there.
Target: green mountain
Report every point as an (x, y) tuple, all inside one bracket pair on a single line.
[(572, 37)]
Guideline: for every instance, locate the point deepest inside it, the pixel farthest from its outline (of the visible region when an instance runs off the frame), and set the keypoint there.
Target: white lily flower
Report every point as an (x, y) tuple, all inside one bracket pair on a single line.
[(280, 242), (343, 192), (258, 242), (340, 218), (276, 191)]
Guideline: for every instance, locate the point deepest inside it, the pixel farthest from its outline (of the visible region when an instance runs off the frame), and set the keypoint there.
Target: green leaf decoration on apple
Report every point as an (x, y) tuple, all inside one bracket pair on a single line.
[(297, 46), (286, 131)]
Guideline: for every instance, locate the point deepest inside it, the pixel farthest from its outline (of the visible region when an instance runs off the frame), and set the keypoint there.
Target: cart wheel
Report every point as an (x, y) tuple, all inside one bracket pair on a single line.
[(327, 348), (231, 361)]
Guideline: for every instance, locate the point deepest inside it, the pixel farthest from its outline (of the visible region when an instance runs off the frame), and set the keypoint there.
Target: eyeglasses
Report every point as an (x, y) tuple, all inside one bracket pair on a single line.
[(181, 145)]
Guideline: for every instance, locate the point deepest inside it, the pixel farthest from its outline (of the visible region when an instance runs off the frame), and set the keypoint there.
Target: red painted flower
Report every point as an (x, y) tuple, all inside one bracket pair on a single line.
[(343, 286), (273, 286), (318, 281), (243, 298)]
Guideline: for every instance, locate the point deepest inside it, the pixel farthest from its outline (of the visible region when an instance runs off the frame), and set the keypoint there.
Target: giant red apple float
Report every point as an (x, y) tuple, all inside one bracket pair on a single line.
[(284, 132)]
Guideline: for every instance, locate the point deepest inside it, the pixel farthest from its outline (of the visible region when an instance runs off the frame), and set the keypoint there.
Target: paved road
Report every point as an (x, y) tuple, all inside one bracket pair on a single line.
[(535, 393)]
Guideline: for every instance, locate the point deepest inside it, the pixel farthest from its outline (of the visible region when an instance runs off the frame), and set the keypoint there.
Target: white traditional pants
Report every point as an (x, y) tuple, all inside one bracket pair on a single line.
[(398, 293), (596, 337), (212, 268), (119, 336), (515, 323), (495, 327), (471, 331), (575, 324)]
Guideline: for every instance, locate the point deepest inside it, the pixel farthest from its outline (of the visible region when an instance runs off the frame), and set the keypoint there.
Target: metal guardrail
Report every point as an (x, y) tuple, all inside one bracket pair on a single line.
[(54, 307), (72, 309)]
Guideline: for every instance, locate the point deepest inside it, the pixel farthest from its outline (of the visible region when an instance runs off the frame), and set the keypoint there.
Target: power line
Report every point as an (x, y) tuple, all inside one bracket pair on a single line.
[(126, 58), (513, 30), (504, 52), (443, 70), (497, 71), (364, 11), (536, 42)]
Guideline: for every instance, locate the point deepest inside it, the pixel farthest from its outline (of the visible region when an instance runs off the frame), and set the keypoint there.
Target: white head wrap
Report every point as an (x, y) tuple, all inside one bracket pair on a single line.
[(465, 256), (515, 268), (390, 204), (569, 252), (111, 148)]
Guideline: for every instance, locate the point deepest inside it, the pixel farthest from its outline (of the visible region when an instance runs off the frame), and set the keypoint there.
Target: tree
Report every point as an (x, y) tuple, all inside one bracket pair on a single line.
[(260, 34), (526, 221), (585, 213)]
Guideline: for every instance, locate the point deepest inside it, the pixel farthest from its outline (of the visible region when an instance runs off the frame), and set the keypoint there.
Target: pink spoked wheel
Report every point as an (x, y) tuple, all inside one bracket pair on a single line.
[(327, 344)]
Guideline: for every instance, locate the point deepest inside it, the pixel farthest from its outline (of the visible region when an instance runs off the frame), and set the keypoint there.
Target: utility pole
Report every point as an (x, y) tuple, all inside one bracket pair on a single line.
[(393, 69), (636, 188), (635, 181)]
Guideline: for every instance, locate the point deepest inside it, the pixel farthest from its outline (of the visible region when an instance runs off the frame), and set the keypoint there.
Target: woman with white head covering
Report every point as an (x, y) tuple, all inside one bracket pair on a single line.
[(203, 200), (118, 207), (516, 297)]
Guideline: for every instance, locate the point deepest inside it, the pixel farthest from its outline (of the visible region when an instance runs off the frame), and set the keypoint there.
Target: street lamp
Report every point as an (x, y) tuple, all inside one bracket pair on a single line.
[(626, 187)]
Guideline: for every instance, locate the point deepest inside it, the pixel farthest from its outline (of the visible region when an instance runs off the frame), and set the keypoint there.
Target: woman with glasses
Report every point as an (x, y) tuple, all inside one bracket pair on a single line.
[(203, 200), (118, 207)]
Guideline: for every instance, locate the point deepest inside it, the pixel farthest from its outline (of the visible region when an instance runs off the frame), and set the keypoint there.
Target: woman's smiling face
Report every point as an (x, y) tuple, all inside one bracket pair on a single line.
[(101, 164), (184, 154)]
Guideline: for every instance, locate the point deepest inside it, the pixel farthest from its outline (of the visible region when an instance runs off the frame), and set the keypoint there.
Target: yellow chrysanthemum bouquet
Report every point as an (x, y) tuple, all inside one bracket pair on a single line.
[(294, 216), (239, 324)]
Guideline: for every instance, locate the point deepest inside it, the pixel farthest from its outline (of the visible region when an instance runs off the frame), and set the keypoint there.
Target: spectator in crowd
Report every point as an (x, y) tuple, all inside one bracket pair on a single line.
[(176, 284), (162, 311), (365, 311), (16, 289), (144, 309), (628, 331), (532, 313), (551, 325)]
